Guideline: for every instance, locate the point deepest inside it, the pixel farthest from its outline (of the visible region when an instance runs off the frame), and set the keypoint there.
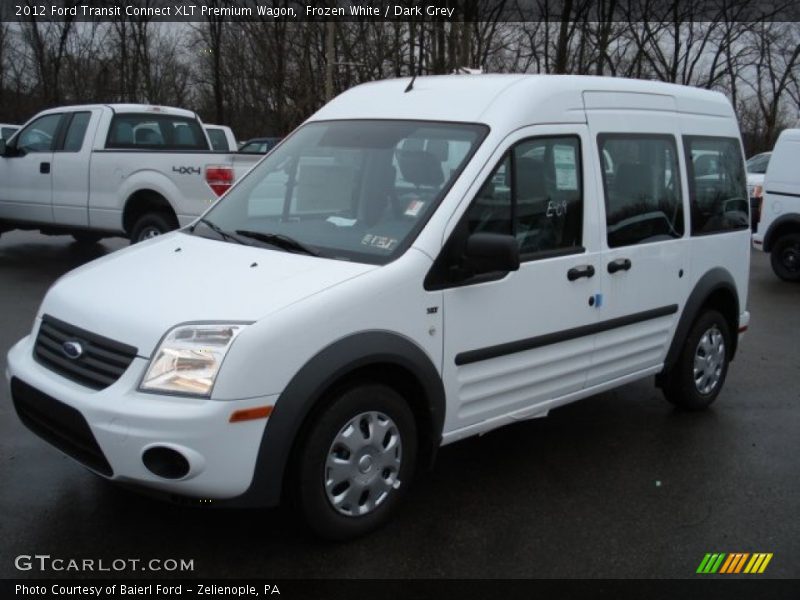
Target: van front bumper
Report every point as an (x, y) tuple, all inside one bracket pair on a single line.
[(758, 241), (111, 430)]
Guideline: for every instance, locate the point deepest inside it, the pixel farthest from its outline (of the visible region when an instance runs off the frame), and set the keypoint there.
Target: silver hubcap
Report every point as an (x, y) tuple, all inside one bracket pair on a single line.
[(363, 464), (709, 358)]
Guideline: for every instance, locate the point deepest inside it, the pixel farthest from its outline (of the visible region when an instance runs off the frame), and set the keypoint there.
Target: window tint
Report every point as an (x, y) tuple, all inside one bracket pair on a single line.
[(535, 194), (219, 143), (156, 132), (76, 132), (39, 135), (642, 188), (7, 132), (717, 184)]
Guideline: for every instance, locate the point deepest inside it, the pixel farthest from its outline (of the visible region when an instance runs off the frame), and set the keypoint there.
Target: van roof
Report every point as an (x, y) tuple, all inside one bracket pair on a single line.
[(508, 101)]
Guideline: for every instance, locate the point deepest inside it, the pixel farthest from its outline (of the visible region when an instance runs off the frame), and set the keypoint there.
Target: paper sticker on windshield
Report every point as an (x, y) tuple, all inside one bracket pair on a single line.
[(414, 207), (379, 241)]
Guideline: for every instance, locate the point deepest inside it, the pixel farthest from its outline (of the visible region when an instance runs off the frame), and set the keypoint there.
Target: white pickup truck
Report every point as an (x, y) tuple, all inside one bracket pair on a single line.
[(96, 171)]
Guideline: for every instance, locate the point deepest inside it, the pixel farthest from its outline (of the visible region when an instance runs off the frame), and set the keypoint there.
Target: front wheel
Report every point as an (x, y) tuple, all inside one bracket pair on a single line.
[(356, 462), (785, 257), (150, 225), (694, 382)]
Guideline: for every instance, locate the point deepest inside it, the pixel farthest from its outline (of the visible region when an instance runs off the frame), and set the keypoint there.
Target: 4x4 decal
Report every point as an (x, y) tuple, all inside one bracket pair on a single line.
[(186, 170)]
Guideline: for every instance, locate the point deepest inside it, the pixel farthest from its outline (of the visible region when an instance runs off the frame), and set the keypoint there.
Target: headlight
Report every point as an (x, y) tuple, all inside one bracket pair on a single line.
[(188, 359)]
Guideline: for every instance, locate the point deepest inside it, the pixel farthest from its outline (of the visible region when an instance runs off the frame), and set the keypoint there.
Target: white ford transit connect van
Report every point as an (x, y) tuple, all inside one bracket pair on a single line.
[(419, 262), (778, 231)]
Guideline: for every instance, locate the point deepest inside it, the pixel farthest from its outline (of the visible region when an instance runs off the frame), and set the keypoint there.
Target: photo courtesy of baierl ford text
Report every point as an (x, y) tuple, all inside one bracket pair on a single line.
[(412, 299)]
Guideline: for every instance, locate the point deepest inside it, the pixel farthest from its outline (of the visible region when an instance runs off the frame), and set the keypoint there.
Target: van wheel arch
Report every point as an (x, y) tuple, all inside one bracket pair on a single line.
[(374, 356), (716, 290), (143, 203), (784, 225)]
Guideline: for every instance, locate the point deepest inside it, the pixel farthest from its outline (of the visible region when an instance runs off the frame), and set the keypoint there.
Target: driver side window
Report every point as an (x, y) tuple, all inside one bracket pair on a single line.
[(40, 135)]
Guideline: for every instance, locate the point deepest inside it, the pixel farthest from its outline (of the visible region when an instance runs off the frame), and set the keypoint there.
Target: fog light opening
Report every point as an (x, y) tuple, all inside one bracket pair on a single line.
[(166, 462)]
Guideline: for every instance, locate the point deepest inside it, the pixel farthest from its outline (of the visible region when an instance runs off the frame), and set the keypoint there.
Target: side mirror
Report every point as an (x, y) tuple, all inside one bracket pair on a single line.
[(2, 147), (492, 252)]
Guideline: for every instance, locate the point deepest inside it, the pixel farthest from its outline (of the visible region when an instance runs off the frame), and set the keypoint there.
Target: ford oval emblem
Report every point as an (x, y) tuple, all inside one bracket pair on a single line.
[(72, 349)]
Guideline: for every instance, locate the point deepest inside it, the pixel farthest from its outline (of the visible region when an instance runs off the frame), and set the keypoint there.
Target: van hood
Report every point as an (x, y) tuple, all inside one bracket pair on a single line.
[(137, 294)]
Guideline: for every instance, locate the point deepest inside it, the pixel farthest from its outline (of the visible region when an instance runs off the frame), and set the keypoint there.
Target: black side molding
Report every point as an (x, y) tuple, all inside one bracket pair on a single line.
[(471, 356)]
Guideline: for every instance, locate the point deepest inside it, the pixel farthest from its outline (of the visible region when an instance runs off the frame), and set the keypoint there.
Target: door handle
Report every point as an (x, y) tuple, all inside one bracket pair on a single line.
[(578, 272), (44, 167), (621, 264)]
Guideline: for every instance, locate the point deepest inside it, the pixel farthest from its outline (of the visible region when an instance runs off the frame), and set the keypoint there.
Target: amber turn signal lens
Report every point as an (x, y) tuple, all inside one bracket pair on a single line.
[(250, 414)]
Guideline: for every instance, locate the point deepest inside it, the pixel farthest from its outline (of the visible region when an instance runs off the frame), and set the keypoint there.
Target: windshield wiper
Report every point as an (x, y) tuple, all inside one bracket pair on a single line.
[(281, 241), (218, 230)]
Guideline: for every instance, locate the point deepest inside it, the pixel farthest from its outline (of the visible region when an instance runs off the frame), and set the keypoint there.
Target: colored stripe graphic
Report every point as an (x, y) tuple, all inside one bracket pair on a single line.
[(734, 563)]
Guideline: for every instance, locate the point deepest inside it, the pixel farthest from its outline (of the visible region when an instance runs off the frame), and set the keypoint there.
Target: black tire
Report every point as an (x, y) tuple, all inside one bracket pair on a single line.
[(311, 465), (151, 225), (680, 385), (86, 238), (785, 257)]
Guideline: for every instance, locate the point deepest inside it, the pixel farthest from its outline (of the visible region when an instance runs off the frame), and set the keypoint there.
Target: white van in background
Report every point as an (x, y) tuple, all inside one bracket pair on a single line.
[(778, 230), (421, 261)]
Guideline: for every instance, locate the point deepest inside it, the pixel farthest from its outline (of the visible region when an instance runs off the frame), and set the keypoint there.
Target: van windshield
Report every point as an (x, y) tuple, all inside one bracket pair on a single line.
[(356, 190)]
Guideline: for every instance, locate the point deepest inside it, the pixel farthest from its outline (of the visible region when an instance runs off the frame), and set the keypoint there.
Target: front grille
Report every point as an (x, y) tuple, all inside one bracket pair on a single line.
[(61, 425), (101, 363)]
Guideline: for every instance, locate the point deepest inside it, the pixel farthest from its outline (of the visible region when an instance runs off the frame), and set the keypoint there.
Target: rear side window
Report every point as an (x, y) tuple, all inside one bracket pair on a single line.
[(534, 194), (155, 132), (717, 184), (76, 131), (642, 188)]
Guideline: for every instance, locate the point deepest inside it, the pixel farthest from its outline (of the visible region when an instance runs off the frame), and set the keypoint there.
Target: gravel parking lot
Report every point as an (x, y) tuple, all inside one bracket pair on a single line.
[(617, 485)]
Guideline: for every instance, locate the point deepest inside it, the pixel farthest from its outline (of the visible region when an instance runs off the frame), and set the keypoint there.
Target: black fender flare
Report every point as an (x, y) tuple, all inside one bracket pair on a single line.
[(714, 280), (309, 385), (770, 236)]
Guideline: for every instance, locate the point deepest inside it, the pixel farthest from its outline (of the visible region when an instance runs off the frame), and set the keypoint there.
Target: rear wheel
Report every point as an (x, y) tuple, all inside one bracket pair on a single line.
[(356, 462), (698, 375), (785, 257), (150, 225)]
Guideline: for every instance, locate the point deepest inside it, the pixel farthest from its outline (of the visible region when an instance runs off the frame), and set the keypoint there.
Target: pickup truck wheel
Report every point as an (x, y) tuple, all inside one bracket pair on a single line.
[(785, 257), (698, 375), (356, 462), (86, 237), (149, 226)]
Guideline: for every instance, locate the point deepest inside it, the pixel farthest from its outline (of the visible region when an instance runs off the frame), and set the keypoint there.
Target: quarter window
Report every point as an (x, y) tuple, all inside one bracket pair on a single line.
[(642, 188), (717, 184), (534, 194), (76, 131)]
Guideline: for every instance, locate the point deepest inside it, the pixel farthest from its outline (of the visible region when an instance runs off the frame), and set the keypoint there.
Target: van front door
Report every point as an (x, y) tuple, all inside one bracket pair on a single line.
[(515, 342)]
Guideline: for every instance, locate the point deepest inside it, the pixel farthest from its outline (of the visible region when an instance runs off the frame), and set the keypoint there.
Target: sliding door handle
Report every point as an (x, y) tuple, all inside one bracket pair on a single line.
[(44, 167), (581, 271)]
